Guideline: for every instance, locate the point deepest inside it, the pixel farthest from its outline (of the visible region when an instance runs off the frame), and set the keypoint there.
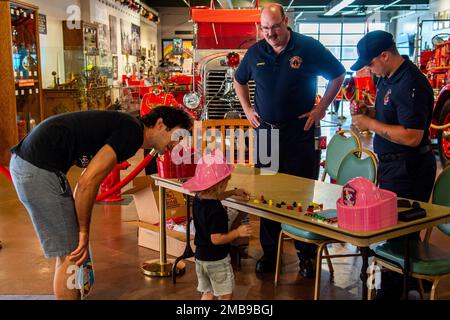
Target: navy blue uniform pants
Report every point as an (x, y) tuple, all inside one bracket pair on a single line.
[(412, 178), (298, 157)]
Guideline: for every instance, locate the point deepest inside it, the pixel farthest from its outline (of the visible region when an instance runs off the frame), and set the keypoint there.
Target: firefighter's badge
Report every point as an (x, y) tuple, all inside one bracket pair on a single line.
[(295, 62), (387, 97)]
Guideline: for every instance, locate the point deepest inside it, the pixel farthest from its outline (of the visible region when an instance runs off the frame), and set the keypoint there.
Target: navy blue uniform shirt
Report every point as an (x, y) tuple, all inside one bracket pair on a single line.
[(286, 83), (406, 98)]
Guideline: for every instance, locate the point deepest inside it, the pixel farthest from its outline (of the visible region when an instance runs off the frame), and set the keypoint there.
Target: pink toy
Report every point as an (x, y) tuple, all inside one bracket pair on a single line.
[(211, 169), (364, 207)]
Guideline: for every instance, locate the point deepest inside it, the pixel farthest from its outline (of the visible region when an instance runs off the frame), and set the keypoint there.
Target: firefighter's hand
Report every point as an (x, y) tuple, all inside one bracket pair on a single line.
[(253, 117), (361, 122), (358, 108), (314, 117)]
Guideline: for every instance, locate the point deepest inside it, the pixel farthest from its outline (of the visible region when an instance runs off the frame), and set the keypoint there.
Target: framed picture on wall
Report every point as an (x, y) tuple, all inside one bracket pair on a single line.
[(113, 34), (135, 40), (177, 46), (167, 46)]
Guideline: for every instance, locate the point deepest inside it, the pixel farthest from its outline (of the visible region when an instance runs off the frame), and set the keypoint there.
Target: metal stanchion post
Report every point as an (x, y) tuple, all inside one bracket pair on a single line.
[(161, 267), (342, 117)]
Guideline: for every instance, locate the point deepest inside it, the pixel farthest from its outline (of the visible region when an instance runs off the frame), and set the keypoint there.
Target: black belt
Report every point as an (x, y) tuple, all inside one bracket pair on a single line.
[(404, 155), (283, 125)]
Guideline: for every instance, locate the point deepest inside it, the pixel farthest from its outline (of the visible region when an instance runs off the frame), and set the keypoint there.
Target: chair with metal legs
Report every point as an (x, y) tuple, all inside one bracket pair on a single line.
[(428, 261), (361, 167)]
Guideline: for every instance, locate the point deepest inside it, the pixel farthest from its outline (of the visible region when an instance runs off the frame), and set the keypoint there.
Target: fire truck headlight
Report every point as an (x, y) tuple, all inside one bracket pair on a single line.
[(191, 100)]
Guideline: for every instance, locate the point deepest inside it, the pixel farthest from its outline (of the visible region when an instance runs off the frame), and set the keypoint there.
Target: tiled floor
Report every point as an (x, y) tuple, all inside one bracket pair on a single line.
[(117, 259)]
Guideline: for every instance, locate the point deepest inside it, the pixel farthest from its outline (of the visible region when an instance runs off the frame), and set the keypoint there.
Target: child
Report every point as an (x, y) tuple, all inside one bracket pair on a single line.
[(212, 238)]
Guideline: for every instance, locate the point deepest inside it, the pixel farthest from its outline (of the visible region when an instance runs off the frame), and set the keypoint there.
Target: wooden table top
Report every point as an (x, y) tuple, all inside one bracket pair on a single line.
[(287, 188)]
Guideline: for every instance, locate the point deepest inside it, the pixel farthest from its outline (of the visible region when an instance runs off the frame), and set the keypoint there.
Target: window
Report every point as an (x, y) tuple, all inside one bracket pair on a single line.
[(309, 28), (341, 39)]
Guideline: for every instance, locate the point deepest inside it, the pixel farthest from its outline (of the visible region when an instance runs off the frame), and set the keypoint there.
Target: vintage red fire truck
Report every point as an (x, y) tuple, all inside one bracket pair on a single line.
[(436, 65), (221, 38)]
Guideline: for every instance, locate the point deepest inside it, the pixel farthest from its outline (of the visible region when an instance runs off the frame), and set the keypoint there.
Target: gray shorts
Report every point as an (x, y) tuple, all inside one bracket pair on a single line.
[(48, 199), (215, 276)]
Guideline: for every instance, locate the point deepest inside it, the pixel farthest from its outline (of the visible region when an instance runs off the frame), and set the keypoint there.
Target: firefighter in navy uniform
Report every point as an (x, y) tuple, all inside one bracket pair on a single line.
[(285, 66), (400, 120)]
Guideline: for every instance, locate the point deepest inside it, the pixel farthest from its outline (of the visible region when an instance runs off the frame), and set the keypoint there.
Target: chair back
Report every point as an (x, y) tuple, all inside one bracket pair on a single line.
[(338, 147), (354, 165), (441, 195), (234, 137)]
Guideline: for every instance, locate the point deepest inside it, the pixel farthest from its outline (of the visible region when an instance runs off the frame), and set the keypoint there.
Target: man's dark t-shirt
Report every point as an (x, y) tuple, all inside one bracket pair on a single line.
[(74, 138), (210, 217)]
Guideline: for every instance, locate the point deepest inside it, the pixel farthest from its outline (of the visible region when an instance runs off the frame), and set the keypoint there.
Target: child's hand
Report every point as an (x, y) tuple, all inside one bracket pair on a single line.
[(244, 230), (242, 193)]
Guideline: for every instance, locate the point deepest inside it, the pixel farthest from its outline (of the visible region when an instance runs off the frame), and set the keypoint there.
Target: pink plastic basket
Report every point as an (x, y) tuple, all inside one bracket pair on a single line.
[(379, 215)]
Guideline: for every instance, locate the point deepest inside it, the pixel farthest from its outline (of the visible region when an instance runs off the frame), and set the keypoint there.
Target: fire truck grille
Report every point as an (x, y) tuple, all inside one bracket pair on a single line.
[(217, 107)]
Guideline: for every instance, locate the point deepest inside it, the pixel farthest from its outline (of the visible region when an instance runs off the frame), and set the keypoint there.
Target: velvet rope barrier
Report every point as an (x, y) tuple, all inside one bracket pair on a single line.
[(5, 172), (129, 177)]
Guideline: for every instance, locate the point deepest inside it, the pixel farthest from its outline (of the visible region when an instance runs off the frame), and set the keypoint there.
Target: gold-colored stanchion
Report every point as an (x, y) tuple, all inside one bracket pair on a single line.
[(342, 117), (162, 267)]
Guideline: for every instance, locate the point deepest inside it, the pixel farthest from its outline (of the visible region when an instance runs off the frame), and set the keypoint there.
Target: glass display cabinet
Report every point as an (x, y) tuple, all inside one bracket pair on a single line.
[(26, 65), (84, 67)]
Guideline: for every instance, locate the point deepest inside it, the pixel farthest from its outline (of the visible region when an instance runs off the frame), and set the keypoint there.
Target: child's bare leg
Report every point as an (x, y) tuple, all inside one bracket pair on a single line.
[(226, 297), (207, 296)]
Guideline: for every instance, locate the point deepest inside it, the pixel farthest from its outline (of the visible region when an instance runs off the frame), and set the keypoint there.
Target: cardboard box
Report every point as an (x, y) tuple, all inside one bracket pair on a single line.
[(146, 198), (148, 237)]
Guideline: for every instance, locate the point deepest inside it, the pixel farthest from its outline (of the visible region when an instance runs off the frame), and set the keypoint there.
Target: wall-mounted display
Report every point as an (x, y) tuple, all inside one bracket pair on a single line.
[(113, 34), (177, 47), (103, 39), (125, 36), (135, 40), (42, 24)]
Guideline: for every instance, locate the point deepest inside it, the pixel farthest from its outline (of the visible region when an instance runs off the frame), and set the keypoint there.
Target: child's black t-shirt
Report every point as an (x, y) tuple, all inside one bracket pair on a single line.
[(209, 217)]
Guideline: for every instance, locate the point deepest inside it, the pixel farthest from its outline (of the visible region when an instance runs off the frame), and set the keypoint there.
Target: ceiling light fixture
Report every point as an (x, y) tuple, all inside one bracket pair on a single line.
[(298, 16), (289, 6), (336, 6), (392, 3)]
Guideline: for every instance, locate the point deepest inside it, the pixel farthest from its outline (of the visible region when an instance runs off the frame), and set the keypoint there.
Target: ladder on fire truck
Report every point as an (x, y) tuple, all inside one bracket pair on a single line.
[(418, 43)]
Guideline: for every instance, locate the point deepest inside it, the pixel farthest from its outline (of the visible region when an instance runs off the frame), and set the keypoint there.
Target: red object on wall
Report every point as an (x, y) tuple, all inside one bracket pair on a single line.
[(111, 180)]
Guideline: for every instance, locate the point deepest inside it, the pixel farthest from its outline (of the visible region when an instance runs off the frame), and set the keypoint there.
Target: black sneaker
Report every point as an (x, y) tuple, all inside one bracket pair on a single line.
[(266, 264), (307, 268)]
